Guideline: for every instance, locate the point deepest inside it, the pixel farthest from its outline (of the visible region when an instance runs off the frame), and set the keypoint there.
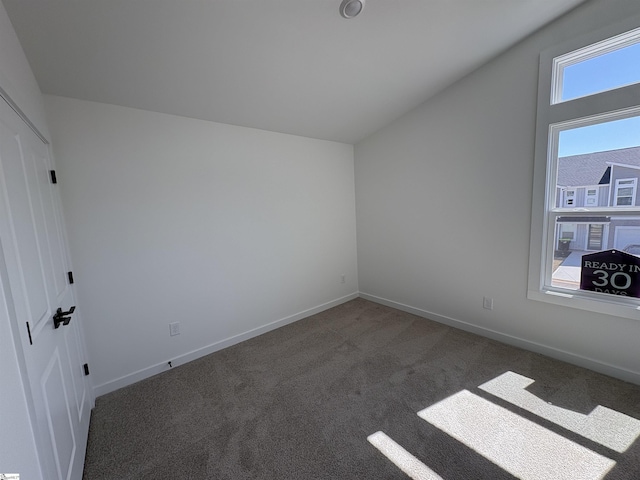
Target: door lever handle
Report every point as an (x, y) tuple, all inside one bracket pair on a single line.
[(61, 317)]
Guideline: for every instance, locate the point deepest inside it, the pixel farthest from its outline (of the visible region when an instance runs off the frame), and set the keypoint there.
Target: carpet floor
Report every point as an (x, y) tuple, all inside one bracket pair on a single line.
[(363, 391)]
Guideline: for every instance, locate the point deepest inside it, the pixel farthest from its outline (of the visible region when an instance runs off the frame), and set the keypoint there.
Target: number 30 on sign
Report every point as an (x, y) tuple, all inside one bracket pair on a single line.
[(611, 271)]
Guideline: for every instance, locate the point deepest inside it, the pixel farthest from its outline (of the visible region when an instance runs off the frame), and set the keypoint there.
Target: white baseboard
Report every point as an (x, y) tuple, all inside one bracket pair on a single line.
[(591, 364), (214, 347)]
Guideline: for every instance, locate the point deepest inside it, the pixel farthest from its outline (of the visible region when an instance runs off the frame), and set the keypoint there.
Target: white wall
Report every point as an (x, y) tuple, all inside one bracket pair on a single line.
[(225, 229), (443, 203), (17, 445), (16, 77)]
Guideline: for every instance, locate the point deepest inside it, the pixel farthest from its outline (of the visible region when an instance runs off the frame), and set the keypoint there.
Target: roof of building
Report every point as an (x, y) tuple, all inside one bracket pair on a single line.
[(593, 168)]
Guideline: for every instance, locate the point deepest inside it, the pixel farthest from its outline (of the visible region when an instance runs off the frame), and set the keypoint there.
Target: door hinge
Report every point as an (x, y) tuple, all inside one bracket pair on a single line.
[(54, 179), (86, 369), (29, 332), (70, 276)]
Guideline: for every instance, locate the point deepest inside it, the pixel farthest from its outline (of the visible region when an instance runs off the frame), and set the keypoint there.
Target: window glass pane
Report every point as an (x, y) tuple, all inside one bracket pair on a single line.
[(604, 72), (615, 135), (578, 236), (598, 165)]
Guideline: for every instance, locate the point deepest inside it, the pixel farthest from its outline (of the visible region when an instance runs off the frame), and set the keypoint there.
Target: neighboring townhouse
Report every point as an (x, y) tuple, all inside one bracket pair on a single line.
[(601, 179)]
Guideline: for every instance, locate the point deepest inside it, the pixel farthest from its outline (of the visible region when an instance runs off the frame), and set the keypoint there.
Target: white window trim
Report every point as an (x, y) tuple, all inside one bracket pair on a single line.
[(554, 116), (634, 185), (585, 51), (624, 165)]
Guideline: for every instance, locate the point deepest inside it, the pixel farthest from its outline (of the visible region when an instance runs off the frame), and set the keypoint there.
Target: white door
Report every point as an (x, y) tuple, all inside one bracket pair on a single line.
[(33, 243)]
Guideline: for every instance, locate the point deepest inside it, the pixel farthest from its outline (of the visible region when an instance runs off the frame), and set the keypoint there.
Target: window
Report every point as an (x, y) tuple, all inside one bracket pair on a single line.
[(567, 232), (575, 66), (587, 165), (569, 198), (626, 192)]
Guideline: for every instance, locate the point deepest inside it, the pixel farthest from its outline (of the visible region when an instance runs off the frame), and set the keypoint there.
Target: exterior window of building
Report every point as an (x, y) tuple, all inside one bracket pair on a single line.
[(569, 197), (587, 165), (626, 192), (568, 231)]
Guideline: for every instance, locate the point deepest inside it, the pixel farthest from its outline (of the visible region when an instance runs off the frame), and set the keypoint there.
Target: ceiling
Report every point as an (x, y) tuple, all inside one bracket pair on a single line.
[(292, 66)]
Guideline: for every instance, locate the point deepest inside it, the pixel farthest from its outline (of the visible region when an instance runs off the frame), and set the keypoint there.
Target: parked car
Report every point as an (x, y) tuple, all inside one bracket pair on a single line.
[(633, 249)]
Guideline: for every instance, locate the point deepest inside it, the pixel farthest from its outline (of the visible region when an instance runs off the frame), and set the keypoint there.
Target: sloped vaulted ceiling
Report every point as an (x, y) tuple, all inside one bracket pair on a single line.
[(293, 66)]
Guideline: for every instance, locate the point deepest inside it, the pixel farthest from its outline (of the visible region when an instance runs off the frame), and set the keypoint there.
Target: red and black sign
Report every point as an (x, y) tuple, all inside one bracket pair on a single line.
[(611, 271)]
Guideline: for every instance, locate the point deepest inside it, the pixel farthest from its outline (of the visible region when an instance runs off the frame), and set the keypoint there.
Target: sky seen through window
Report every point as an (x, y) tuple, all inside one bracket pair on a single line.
[(604, 72)]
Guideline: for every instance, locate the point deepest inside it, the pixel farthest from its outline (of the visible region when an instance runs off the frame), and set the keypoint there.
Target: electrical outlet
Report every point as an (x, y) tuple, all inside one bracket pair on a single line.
[(487, 303), (174, 328), (343, 278)]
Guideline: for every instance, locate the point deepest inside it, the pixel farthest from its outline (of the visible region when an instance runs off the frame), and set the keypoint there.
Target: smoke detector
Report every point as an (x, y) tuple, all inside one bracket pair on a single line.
[(351, 8)]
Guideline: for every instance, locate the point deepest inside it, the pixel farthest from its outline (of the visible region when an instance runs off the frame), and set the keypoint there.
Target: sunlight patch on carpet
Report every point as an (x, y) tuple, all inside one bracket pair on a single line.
[(406, 462), (519, 446), (607, 427)]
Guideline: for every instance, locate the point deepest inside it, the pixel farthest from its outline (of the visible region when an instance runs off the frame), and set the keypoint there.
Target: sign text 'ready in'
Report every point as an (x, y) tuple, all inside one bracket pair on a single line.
[(611, 271)]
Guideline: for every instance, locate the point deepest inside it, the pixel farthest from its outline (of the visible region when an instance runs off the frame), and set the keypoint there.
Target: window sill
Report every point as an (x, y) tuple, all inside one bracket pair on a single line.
[(584, 301)]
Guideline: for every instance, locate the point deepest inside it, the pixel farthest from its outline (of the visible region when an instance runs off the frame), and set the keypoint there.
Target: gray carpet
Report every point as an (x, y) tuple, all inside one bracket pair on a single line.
[(301, 401)]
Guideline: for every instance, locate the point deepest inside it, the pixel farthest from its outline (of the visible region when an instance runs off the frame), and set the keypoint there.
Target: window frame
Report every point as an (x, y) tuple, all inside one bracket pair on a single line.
[(607, 44), (619, 186), (553, 116)]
